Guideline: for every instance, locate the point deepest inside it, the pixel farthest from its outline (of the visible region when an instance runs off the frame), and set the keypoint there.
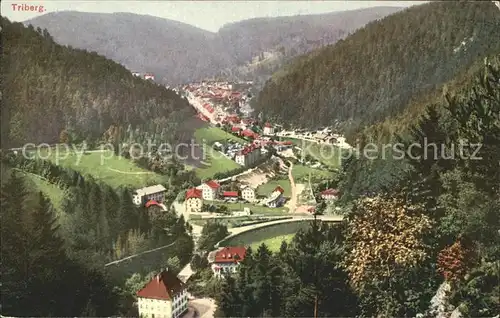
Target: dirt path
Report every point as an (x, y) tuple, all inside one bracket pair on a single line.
[(292, 204)]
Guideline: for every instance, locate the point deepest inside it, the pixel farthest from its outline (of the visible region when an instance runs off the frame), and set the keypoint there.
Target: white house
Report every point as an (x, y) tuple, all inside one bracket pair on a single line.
[(143, 195), (276, 199), (136, 73), (268, 129), (226, 260), (165, 296), (210, 190), (329, 194), (248, 193), (194, 200)]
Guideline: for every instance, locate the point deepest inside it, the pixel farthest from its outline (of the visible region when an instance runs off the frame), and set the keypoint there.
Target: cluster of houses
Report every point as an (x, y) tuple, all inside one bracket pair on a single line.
[(211, 191), (244, 155)]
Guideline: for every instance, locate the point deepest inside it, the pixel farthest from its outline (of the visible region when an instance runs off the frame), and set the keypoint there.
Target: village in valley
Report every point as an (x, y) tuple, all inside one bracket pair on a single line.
[(277, 184)]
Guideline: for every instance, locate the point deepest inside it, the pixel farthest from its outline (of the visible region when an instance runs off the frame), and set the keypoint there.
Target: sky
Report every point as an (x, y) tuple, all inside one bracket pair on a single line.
[(208, 15)]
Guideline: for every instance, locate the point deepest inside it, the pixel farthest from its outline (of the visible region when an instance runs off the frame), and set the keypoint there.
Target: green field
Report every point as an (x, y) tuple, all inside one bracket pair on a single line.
[(272, 235), (302, 172), (111, 169), (215, 161), (267, 188), (274, 243), (327, 154)]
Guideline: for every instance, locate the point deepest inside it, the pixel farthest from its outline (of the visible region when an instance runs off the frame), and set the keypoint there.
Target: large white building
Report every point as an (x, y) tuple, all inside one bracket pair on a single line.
[(165, 296), (143, 195), (210, 190), (226, 260), (248, 155)]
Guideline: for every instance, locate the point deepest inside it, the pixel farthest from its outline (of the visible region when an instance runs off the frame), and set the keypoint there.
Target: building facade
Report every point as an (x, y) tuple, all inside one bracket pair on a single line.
[(210, 190), (248, 193), (164, 296), (226, 260), (194, 200), (154, 193), (248, 155)]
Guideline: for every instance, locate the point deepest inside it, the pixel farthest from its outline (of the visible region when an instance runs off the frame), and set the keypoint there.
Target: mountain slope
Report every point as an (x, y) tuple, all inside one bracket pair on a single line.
[(172, 50), (377, 71), (294, 34), (48, 88), (178, 52)]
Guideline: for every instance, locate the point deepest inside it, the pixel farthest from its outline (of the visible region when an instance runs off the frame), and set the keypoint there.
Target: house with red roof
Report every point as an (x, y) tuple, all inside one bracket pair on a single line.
[(268, 129), (226, 260), (210, 190), (330, 194), (165, 295), (194, 200), (276, 198), (149, 76)]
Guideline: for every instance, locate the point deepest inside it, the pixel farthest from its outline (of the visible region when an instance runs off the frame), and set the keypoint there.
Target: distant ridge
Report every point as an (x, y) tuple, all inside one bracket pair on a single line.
[(177, 52)]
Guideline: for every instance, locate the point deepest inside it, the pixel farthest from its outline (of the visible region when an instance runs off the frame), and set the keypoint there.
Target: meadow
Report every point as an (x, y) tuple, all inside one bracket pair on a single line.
[(214, 162), (104, 165)]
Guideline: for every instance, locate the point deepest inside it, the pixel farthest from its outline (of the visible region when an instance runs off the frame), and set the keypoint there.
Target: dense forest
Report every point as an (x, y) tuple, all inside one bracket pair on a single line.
[(421, 240), (68, 247), (48, 88), (377, 71)]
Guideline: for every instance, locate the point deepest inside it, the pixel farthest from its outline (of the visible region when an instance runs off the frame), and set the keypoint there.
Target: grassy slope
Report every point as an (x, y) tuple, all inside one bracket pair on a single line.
[(272, 234), (267, 188), (327, 154), (300, 172), (215, 161), (102, 165)]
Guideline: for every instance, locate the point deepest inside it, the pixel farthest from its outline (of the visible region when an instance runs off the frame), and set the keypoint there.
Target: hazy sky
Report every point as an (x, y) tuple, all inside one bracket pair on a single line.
[(209, 15)]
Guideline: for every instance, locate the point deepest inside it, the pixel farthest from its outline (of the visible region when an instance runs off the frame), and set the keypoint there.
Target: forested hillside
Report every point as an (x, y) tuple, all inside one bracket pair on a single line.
[(177, 52), (420, 233), (48, 88), (376, 72)]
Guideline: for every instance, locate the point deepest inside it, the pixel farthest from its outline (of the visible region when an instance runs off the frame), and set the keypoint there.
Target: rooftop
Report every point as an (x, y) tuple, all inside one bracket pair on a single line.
[(150, 190), (162, 286), (193, 193)]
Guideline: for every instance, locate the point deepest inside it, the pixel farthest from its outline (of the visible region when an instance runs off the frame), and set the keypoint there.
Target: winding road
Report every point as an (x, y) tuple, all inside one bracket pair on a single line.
[(292, 204)]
